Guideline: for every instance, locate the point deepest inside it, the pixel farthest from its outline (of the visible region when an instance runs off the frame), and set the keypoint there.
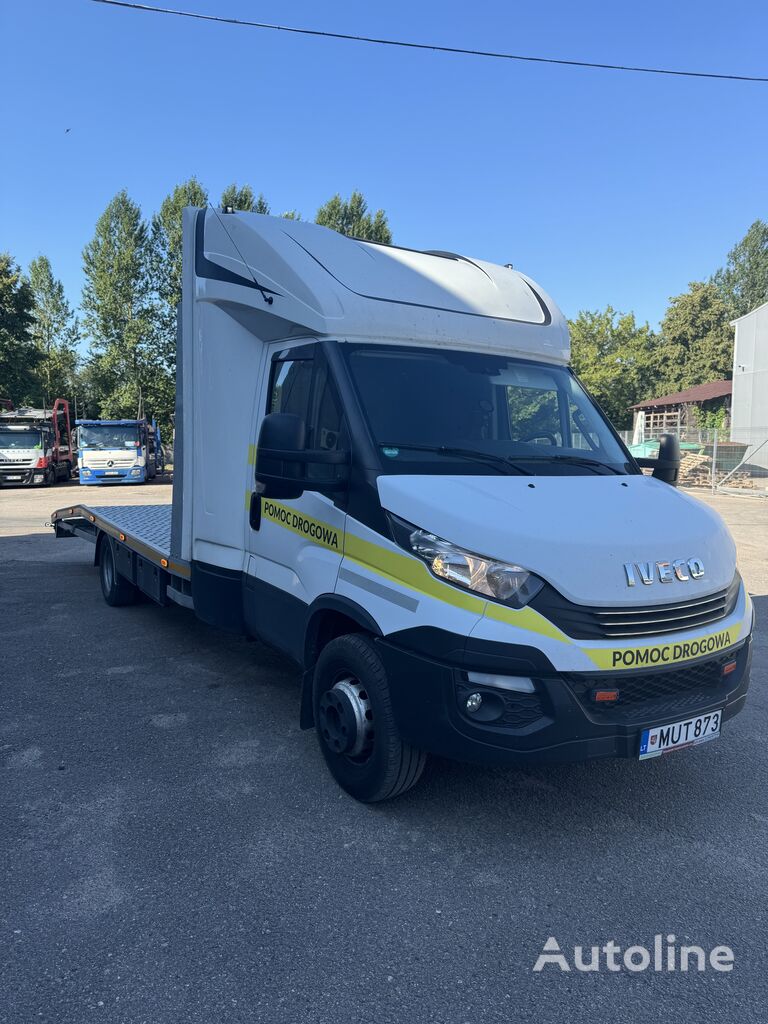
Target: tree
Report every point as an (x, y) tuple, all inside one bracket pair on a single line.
[(244, 199), (165, 272), (55, 333), (616, 358), (743, 281), (351, 217), (697, 338), (18, 355), (118, 311), (167, 246)]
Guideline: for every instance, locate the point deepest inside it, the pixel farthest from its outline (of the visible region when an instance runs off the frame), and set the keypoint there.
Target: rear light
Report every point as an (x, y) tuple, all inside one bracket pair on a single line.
[(42, 462), (729, 667), (605, 696)]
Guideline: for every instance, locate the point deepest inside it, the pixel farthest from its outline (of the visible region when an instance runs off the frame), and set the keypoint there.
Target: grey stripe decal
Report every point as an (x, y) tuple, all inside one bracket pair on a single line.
[(386, 593)]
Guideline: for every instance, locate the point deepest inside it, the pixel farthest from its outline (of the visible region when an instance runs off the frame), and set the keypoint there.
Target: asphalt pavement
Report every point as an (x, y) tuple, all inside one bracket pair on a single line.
[(172, 848)]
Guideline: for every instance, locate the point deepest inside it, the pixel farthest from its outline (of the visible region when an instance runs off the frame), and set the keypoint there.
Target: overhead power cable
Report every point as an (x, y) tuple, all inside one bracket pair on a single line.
[(405, 44)]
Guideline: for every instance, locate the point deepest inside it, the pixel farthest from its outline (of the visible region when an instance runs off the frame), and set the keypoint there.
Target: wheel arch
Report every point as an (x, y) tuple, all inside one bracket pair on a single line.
[(327, 618)]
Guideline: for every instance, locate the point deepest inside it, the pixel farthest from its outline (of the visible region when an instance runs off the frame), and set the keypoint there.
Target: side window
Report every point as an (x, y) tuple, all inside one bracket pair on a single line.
[(291, 386), (303, 387), (325, 422)]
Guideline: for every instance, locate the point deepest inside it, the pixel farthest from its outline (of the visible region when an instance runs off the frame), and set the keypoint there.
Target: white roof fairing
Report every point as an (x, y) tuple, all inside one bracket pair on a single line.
[(323, 283)]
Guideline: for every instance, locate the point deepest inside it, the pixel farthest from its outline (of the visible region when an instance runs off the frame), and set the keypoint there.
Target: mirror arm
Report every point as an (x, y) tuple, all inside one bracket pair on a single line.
[(320, 456)]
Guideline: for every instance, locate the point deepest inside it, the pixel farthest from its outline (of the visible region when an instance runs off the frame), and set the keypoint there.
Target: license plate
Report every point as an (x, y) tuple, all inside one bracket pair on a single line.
[(111, 472), (688, 733), (9, 477)]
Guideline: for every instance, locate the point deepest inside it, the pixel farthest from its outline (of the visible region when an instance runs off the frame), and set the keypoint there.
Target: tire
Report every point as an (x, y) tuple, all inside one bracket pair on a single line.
[(353, 708), (117, 590)]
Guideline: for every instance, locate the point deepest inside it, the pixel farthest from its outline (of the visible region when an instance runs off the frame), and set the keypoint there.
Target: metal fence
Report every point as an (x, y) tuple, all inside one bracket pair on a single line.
[(715, 459)]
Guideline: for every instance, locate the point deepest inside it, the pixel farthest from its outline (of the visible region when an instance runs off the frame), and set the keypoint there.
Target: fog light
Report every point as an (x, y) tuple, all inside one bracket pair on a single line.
[(520, 684), (38, 478), (135, 472), (474, 702)]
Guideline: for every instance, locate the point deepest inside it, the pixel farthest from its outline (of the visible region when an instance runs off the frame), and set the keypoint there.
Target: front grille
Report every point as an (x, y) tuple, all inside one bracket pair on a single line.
[(658, 693), (583, 622)]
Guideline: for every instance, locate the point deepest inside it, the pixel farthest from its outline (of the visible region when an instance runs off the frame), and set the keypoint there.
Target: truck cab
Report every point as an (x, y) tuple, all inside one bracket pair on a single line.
[(413, 496), (36, 445), (116, 451)]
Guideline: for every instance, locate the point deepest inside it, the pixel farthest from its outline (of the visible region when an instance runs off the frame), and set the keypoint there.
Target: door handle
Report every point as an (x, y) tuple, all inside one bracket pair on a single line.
[(254, 511)]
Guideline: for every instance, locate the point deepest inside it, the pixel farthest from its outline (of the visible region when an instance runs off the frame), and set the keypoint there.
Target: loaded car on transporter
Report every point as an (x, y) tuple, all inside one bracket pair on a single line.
[(414, 497)]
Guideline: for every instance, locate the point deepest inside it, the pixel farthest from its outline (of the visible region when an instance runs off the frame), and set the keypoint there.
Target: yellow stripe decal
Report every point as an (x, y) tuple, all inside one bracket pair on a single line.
[(312, 529), (664, 654), (526, 618), (409, 572), (251, 454)]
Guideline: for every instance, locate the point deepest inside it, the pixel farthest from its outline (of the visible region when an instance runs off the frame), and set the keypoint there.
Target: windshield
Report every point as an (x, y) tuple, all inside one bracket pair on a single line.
[(20, 439), (108, 436), (435, 411)]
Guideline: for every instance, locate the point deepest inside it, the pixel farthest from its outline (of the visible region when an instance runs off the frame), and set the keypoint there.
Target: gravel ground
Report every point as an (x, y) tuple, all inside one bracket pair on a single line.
[(173, 850)]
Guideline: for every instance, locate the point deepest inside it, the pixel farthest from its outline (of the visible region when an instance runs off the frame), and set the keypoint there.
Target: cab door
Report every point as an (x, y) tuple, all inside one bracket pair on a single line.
[(295, 547)]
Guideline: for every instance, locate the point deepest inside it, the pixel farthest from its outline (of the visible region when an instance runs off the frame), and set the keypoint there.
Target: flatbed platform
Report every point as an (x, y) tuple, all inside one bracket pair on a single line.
[(145, 529)]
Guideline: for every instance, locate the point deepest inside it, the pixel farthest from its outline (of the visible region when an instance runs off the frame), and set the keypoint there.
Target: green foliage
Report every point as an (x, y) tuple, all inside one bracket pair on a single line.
[(19, 356), (616, 359), (698, 339), (244, 199), (119, 314), (351, 217), (743, 281), (710, 419), (166, 246), (55, 332)]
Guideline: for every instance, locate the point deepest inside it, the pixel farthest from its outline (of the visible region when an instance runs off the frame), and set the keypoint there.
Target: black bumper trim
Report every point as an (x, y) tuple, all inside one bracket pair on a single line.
[(424, 699)]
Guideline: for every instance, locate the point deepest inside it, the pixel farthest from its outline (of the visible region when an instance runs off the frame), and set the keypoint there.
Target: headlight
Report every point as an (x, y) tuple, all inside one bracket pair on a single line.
[(500, 581)]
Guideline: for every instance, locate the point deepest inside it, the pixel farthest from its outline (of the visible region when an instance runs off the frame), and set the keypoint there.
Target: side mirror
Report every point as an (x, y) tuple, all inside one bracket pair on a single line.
[(281, 459), (281, 436), (666, 466)]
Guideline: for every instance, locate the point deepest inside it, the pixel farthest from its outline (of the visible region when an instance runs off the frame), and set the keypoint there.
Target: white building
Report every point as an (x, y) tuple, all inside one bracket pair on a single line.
[(749, 405)]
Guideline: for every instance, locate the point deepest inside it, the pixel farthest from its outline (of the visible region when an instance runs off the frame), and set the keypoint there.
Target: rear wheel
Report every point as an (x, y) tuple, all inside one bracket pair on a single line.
[(117, 590), (356, 726)]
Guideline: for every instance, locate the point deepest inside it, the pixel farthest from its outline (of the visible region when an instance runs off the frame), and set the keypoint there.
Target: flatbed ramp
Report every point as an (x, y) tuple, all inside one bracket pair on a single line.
[(145, 529)]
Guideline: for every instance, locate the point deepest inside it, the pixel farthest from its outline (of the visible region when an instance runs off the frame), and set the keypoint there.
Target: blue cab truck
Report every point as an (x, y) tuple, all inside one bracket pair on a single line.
[(118, 451)]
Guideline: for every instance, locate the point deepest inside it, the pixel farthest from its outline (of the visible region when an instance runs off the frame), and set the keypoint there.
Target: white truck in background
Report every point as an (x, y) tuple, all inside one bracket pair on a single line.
[(118, 451), (413, 496), (36, 445)]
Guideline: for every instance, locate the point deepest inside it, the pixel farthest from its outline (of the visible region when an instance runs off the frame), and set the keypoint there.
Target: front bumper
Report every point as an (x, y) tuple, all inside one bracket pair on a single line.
[(427, 674), (112, 476), (23, 476)]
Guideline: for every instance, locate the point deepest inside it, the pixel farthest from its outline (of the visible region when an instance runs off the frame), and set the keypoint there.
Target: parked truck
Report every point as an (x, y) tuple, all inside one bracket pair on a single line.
[(36, 445), (412, 495), (118, 451)]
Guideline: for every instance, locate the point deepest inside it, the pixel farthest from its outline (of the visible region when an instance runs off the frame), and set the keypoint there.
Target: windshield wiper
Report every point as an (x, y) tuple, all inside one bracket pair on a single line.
[(500, 462), (576, 460)]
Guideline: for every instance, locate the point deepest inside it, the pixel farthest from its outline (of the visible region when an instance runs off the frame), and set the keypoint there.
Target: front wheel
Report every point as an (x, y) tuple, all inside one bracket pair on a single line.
[(117, 590), (355, 723)]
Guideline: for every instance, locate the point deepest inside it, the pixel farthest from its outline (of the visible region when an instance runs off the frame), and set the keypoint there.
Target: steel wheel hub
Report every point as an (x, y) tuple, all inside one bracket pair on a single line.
[(346, 718)]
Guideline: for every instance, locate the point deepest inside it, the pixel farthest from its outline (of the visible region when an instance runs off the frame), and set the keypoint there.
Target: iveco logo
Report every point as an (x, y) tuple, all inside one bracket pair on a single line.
[(648, 572)]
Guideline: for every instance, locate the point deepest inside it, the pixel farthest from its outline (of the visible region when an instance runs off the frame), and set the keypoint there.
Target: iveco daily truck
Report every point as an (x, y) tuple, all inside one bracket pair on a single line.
[(117, 451), (414, 497)]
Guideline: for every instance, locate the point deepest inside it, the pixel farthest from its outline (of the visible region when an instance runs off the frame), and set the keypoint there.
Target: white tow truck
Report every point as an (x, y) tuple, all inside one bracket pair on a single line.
[(413, 496)]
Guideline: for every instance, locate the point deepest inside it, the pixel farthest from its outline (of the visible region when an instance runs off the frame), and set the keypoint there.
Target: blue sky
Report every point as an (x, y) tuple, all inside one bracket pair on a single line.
[(605, 187)]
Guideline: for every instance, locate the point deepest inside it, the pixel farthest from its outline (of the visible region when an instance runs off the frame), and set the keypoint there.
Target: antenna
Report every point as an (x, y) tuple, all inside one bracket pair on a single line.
[(267, 298)]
